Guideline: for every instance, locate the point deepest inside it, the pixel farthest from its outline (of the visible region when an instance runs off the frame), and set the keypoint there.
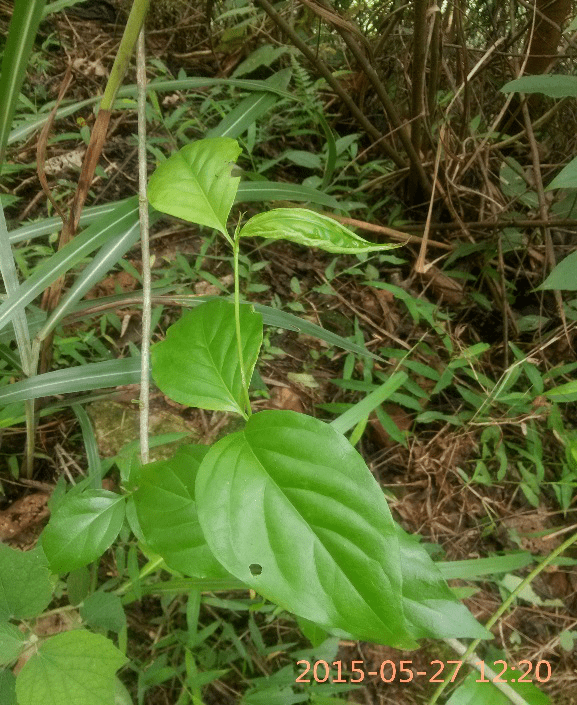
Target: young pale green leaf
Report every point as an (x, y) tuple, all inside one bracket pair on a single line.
[(310, 229), (430, 606), (25, 587), (197, 364), (195, 183), (71, 667), (81, 528), (167, 514), (289, 507)]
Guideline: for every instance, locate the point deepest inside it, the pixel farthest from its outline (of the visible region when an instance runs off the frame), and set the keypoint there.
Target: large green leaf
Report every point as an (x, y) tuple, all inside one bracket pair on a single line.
[(430, 606), (310, 229), (167, 514), (74, 667), (195, 183), (81, 528), (102, 610), (7, 687), (290, 508), (554, 86), (197, 364), (25, 587)]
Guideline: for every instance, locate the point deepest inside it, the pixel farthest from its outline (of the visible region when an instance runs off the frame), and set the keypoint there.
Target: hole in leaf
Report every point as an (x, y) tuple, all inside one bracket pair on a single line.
[(255, 568)]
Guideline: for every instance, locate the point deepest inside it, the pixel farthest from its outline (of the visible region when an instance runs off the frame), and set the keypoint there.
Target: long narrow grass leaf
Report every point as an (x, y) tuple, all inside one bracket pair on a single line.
[(83, 244), (26, 17), (105, 259), (30, 126), (51, 225), (90, 444), (251, 191), (270, 316), (251, 108), (476, 567), (82, 378), (361, 411), (10, 277)]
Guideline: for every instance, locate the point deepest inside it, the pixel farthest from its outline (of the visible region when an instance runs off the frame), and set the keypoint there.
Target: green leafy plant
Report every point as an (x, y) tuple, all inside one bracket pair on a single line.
[(286, 505)]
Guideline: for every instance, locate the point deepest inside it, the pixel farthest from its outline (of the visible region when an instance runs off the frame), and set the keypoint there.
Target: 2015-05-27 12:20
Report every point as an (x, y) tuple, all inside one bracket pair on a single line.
[(404, 673)]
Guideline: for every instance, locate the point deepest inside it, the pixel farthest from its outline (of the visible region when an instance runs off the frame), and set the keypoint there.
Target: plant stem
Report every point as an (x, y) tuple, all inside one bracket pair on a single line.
[(145, 249), (476, 662), (505, 606), (236, 247), (133, 25)]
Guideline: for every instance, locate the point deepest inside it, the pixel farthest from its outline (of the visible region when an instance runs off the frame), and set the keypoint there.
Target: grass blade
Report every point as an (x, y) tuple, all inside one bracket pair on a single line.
[(50, 225), (107, 257), (24, 130), (10, 277), (93, 237), (361, 411), (82, 378), (26, 17), (251, 108), (249, 191)]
